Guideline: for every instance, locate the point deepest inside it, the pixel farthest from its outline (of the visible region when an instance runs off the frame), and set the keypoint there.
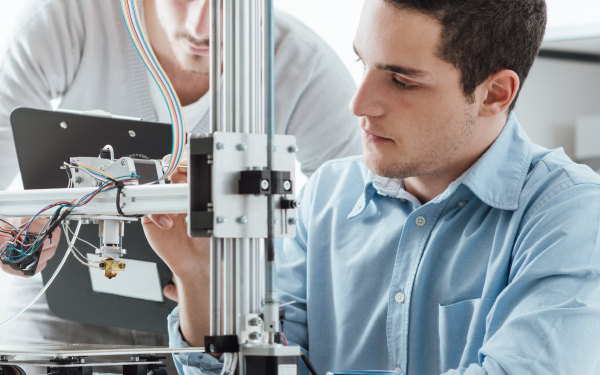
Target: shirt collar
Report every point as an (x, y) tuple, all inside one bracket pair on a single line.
[(497, 178)]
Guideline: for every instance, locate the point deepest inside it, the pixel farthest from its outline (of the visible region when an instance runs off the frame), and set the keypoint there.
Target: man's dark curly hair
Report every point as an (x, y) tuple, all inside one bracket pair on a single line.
[(482, 37)]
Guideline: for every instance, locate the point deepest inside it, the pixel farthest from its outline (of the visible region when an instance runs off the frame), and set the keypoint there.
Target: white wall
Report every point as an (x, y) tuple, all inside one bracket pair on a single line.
[(554, 95)]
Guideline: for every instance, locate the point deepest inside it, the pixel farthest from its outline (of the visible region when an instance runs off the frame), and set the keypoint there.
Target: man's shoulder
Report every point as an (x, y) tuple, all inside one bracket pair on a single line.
[(339, 177), (554, 175)]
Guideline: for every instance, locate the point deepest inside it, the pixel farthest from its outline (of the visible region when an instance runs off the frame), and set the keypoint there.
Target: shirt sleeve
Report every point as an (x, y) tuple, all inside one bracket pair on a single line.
[(546, 319), (39, 60), (190, 363)]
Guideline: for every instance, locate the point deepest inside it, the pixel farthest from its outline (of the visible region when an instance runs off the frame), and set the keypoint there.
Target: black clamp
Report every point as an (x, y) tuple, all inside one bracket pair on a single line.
[(221, 344), (265, 183)]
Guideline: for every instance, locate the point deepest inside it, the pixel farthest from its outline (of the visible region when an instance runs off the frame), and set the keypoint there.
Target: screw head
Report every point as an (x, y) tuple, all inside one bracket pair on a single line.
[(256, 322), (287, 186), (131, 133), (221, 220), (242, 220), (292, 221), (78, 180), (221, 146), (63, 125), (264, 184), (102, 266), (255, 336), (95, 183), (293, 149), (123, 162), (212, 348), (242, 147), (122, 266)]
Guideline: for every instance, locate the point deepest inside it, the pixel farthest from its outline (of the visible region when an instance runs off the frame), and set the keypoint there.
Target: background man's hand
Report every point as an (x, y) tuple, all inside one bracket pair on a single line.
[(48, 250)]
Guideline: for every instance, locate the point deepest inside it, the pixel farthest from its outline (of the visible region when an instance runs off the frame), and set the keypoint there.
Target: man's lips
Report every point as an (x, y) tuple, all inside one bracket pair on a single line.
[(197, 50), (370, 137)]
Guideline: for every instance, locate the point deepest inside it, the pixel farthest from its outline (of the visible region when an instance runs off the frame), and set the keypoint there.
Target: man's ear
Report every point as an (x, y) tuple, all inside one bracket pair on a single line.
[(499, 91)]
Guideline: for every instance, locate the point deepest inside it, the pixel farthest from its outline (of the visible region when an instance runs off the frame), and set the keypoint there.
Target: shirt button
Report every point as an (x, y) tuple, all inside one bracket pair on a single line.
[(399, 369), (462, 203), (400, 297), (420, 221), (403, 200)]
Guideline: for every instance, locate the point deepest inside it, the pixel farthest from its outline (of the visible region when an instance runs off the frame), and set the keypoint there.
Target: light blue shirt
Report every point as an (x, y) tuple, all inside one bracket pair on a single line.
[(500, 274)]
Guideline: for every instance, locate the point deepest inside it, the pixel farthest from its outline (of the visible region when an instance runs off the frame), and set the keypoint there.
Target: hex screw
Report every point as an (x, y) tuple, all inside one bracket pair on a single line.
[(293, 149), (292, 221), (242, 147), (122, 266), (221, 219), (242, 220), (102, 266), (256, 322), (212, 348), (287, 186), (264, 184), (123, 162), (131, 133), (78, 180), (255, 336), (221, 146)]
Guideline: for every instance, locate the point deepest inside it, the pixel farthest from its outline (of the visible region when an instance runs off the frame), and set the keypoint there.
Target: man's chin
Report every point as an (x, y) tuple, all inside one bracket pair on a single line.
[(194, 64)]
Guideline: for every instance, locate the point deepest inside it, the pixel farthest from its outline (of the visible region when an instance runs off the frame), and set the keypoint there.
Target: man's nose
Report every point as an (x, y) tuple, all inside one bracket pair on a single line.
[(367, 101), (198, 19)]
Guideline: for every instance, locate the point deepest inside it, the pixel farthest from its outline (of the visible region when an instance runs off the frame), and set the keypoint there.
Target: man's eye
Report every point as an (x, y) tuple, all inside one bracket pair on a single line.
[(360, 61), (404, 86)]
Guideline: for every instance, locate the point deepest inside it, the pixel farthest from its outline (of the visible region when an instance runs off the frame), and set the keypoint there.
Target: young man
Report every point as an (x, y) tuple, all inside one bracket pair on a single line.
[(79, 50), (454, 245)]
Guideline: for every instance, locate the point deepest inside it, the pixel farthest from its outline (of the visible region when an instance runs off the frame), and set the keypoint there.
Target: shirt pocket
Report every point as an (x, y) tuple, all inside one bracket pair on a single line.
[(461, 331)]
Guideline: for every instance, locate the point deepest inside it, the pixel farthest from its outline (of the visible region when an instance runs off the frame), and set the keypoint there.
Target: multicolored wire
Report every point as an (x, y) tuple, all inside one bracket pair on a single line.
[(131, 15)]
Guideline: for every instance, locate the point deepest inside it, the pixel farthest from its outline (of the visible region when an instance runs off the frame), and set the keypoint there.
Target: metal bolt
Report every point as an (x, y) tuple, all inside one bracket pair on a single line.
[(221, 146), (123, 162), (221, 220), (78, 180), (256, 322), (131, 133), (276, 221), (212, 348), (242, 147), (82, 360), (4, 358), (293, 149), (292, 221), (135, 359), (242, 220), (255, 336), (102, 266), (122, 266), (264, 184), (63, 125), (287, 186)]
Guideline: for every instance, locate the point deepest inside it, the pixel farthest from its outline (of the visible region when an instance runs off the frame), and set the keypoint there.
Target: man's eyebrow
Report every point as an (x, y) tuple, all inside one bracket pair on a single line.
[(405, 71)]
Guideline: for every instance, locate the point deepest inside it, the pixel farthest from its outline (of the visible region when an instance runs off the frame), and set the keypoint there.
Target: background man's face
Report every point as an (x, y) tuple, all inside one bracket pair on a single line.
[(187, 25), (414, 116)]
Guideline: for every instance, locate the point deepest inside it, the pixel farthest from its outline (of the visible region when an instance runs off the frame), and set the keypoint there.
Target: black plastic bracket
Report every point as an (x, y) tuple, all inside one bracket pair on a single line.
[(221, 344), (200, 183)]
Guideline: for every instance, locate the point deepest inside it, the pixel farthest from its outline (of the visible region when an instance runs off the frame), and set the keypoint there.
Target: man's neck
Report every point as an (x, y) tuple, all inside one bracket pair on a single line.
[(190, 87)]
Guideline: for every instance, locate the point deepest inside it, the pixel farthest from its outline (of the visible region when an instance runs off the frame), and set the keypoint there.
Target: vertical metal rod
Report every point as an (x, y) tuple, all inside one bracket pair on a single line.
[(229, 64), (215, 65), (215, 124), (229, 305), (215, 286), (271, 300)]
